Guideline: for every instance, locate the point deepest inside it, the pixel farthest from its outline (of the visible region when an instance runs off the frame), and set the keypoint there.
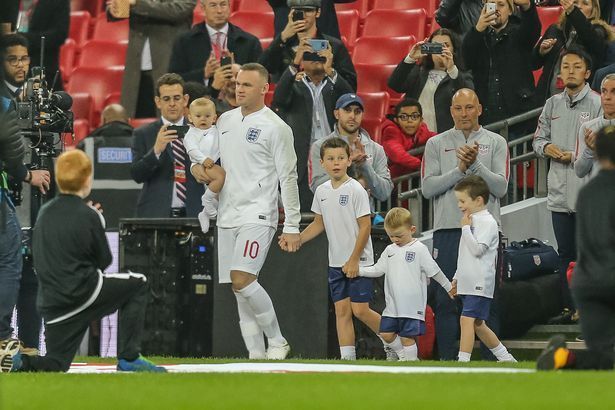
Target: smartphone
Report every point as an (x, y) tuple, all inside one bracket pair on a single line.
[(226, 60), (431, 48), (490, 8), (298, 15), (181, 130), (319, 45)]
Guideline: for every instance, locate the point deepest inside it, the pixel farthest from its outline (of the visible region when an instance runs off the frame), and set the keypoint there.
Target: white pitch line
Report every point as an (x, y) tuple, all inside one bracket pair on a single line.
[(277, 367)]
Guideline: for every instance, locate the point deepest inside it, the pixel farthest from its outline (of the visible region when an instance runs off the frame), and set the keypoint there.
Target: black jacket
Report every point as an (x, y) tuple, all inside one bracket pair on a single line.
[(591, 37), (458, 15), (327, 22), (293, 101), (278, 56), (191, 50), (411, 78), (51, 18), (512, 56), (111, 129), (69, 245), (157, 176)]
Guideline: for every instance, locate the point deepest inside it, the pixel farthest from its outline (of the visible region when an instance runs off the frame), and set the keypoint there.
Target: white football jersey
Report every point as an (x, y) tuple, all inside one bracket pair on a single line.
[(257, 152), (406, 270), (340, 208), (201, 144), (476, 274)]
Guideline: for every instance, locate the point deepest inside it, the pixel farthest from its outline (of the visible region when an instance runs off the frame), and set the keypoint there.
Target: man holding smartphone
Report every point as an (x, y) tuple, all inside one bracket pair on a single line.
[(288, 47)]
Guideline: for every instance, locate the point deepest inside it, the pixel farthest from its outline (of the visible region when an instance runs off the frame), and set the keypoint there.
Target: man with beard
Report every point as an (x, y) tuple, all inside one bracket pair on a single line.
[(556, 138), (368, 157), (305, 100), (16, 65)]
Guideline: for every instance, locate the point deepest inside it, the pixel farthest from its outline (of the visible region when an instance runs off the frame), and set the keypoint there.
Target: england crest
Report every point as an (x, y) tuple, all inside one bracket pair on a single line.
[(252, 135), (537, 260), (483, 149), (410, 256), (343, 200), (584, 116)]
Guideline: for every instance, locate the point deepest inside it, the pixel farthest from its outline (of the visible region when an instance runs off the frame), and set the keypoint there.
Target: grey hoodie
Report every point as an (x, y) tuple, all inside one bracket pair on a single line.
[(440, 172), (375, 168), (559, 123), (585, 163)]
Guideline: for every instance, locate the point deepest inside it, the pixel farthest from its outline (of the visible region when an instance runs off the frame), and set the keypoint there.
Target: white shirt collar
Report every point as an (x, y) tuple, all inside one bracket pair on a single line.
[(10, 86), (167, 122), (212, 31)]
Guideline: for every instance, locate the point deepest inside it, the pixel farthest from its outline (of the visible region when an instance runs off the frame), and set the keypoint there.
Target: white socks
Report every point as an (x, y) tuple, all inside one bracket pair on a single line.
[(411, 353), (464, 357), (209, 200), (396, 346), (250, 331), (348, 353), (260, 303), (501, 353)]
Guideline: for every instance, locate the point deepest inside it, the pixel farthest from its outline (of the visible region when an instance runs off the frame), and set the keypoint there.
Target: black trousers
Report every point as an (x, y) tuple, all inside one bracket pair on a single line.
[(125, 292), (596, 305), (28, 319)]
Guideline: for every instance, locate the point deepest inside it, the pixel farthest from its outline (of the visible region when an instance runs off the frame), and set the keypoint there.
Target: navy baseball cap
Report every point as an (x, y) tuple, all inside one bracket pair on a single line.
[(348, 99)]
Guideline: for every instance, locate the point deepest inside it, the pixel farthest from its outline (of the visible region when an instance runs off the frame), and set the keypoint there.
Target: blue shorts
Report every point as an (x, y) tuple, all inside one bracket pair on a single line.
[(403, 326), (475, 306), (358, 289)]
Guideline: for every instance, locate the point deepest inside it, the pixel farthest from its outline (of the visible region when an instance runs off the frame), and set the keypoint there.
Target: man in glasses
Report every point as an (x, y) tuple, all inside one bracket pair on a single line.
[(16, 65), (160, 161), (404, 131)]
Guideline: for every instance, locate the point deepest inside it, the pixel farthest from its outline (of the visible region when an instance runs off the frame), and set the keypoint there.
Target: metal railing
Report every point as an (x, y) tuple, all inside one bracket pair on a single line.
[(408, 187)]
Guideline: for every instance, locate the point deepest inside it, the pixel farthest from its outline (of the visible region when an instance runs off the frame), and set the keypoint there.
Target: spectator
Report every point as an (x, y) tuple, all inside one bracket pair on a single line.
[(585, 162), (579, 26), (405, 131), (227, 99), (194, 90), (34, 19), (467, 149), (196, 54), (114, 123), (368, 158), (160, 161), (16, 64), (498, 51), (154, 24), (306, 100), (327, 23), (459, 16), (555, 138), (433, 78), (284, 50)]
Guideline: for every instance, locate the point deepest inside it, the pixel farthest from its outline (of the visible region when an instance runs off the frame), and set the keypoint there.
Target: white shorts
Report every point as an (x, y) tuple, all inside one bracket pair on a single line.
[(244, 249)]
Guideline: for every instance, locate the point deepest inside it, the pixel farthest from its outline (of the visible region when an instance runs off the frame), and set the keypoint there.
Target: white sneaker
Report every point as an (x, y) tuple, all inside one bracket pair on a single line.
[(278, 352), (204, 221), (257, 355), (210, 207)]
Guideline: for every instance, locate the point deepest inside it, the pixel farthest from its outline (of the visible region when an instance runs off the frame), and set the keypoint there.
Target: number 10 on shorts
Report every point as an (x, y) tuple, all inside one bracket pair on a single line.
[(251, 249)]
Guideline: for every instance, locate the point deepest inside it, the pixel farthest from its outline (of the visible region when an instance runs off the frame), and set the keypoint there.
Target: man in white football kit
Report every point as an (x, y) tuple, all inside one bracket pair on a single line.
[(256, 150)]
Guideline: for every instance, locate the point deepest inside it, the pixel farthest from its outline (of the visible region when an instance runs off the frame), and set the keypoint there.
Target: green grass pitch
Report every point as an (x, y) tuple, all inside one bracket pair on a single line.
[(545, 390)]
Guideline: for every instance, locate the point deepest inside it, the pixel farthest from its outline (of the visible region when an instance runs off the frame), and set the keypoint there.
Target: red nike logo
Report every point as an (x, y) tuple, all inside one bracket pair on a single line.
[(449, 149)]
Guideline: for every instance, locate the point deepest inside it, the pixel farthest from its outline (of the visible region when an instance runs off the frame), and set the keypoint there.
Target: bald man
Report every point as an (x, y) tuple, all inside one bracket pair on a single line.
[(466, 149), (114, 123), (114, 112)]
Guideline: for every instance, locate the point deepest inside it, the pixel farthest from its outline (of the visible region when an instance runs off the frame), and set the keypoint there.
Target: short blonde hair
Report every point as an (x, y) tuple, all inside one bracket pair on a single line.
[(398, 217), (203, 102), (73, 168)]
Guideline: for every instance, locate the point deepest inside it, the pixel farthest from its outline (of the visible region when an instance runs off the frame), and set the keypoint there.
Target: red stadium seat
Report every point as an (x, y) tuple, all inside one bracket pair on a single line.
[(395, 23), (376, 104), (265, 42), (256, 23), (139, 122), (372, 126), (373, 78), (269, 98), (97, 53), (98, 82), (116, 31), (79, 26), (548, 16), (349, 25), (198, 16), (253, 5), (428, 5), (362, 6), (95, 7), (82, 106), (81, 130), (381, 50), (67, 58), (113, 98)]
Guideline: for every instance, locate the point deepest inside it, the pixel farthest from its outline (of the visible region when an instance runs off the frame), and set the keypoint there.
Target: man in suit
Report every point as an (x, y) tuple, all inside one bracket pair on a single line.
[(154, 24), (16, 65), (37, 18), (160, 161), (196, 54), (306, 100)]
